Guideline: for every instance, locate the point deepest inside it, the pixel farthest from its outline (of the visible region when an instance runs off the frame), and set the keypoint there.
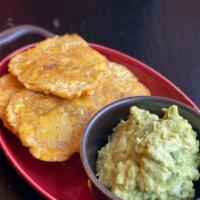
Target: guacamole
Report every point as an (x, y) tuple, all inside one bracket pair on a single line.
[(150, 158)]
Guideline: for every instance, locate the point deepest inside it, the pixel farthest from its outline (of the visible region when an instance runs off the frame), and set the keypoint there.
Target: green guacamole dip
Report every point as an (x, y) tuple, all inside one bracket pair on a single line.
[(148, 158)]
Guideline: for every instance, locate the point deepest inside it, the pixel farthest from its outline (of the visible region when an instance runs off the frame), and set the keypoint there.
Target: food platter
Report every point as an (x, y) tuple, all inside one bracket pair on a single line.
[(67, 180)]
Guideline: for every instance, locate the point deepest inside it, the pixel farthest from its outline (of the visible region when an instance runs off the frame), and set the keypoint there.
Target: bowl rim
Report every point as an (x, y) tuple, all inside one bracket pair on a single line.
[(109, 107)]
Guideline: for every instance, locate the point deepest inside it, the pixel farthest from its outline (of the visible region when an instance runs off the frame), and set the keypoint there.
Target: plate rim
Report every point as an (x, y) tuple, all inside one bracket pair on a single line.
[(100, 48)]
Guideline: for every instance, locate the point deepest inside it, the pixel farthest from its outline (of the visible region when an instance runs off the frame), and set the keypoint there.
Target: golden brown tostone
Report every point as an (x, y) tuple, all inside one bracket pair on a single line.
[(9, 85), (62, 65), (52, 127)]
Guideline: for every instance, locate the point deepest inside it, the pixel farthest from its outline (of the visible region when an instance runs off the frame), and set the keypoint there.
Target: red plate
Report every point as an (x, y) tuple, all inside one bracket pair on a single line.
[(68, 180)]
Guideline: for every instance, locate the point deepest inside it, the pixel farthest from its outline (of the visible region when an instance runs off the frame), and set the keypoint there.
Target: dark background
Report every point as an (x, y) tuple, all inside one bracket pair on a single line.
[(164, 34)]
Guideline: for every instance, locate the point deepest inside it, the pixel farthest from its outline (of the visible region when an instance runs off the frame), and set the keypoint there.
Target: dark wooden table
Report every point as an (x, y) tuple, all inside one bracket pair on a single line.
[(164, 34)]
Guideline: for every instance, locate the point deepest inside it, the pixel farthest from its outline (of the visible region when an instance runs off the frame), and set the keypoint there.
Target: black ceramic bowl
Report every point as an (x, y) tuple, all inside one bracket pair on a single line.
[(101, 125)]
